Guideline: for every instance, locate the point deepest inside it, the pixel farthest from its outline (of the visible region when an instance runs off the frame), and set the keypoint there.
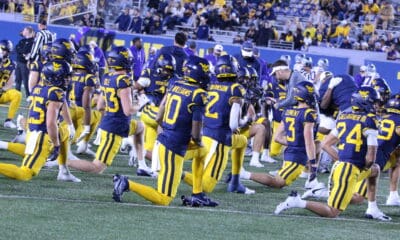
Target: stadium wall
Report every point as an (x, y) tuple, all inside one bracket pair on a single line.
[(388, 70)]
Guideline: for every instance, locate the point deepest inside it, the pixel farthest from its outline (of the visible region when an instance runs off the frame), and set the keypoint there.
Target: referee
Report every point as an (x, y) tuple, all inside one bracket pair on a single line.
[(43, 36)]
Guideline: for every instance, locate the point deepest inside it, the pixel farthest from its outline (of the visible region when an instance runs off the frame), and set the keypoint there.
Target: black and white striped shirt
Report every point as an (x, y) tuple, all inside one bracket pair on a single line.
[(42, 37)]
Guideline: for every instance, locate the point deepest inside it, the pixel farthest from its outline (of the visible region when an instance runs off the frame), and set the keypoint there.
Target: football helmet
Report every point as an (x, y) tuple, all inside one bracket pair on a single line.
[(323, 63), (6, 47), (305, 92), (325, 76), (247, 49), (286, 58), (87, 48), (226, 67), (57, 73), (120, 58), (364, 99), (197, 70), (45, 54), (62, 49), (84, 60), (382, 87), (165, 65), (243, 75), (307, 62), (253, 76), (393, 104), (299, 58)]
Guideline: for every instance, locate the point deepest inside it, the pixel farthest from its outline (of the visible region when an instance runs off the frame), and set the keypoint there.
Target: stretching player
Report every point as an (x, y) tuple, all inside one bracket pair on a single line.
[(181, 124), (7, 93), (296, 131), (116, 101), (45, 138), (356, 135)]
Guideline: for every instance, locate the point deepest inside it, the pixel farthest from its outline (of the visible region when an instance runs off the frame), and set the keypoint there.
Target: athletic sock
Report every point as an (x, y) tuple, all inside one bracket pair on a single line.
[(3, 145), (255, 157), (244, 174)]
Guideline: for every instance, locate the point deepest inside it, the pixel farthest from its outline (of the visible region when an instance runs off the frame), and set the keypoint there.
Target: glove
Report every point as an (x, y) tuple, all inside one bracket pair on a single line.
[(334, 82), (71, 130), (142, 101), (54, 154), (85, 132)]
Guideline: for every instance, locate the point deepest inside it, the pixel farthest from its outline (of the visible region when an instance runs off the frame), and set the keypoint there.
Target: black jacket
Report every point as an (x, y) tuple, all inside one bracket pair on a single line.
[(24, 46)]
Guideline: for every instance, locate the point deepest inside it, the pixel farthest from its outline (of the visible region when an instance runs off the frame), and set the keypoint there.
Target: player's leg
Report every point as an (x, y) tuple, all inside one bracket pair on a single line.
[(265, 157), (36, 154), (16, 148), (168, 180), (13, 97), (257, 131), (137, 129), (239, 144), (148, 117), (63, 172), (275, 147), (394, 174), (108, 148)]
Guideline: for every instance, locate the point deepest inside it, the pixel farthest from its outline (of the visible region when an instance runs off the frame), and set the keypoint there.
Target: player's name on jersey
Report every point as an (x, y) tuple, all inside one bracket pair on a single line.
[(292, 112), (219, 87), (351, 116), (181, 90)]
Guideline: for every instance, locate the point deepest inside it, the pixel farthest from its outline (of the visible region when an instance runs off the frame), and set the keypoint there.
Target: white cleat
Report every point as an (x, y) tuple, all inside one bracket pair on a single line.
[(377, 215), (71, 156), (98, 138), (319, 192), (268, 159), (313, 184), (393, 201), (20, 137), (292, 201), (90, 152), (249, 191), (274, 173), (51, 164), (256, 164), (9, 124), (82, 146), (304, 175), (67, 177)]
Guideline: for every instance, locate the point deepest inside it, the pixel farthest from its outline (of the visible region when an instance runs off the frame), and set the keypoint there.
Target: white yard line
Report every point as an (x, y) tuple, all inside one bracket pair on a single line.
[(216, 210)]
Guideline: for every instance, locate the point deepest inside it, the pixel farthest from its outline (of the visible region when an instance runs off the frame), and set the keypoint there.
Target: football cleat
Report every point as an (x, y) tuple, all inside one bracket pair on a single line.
[(268, 159), (318, 192), (377, 215), (240, 188), (393, 201), (146, 172), (304, 175), (311, 184), (67, 177), (292, 201), (51, 164), (20, 137), (256, 163), (121, 185), (201, 200), (274, 173), (9, 124)]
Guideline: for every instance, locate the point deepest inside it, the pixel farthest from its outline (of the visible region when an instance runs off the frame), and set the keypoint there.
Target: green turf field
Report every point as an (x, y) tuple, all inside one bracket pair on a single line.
[(47, 209)]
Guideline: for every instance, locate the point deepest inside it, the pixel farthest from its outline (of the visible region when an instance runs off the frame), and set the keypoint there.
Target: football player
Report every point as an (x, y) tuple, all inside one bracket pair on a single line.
[(157, 80), (298, 65), (116, 101), (296, 131), (7, 93), (46, 139), (221, 118), (83, 84), (356, 135), (181, 124)]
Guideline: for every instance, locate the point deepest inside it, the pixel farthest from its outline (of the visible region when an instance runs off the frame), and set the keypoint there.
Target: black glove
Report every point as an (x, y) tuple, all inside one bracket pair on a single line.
[(54, 154)]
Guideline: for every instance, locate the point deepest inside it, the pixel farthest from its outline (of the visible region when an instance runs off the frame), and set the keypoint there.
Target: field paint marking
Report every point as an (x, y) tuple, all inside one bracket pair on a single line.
[(205, 209)]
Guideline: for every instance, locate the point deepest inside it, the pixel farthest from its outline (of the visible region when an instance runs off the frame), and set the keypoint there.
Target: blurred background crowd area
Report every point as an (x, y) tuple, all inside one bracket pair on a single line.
[(369, 25)]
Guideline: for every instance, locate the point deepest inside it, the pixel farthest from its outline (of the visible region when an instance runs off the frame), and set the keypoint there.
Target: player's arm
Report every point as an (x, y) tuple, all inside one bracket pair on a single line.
[(234, 118), (126, 101), (329, 142), (309, 140), (197, 124), (101, 103), (372, 142), (86, 104), (52, 113), (67, 118), (161, 110), (33, 79), (280, 136)]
